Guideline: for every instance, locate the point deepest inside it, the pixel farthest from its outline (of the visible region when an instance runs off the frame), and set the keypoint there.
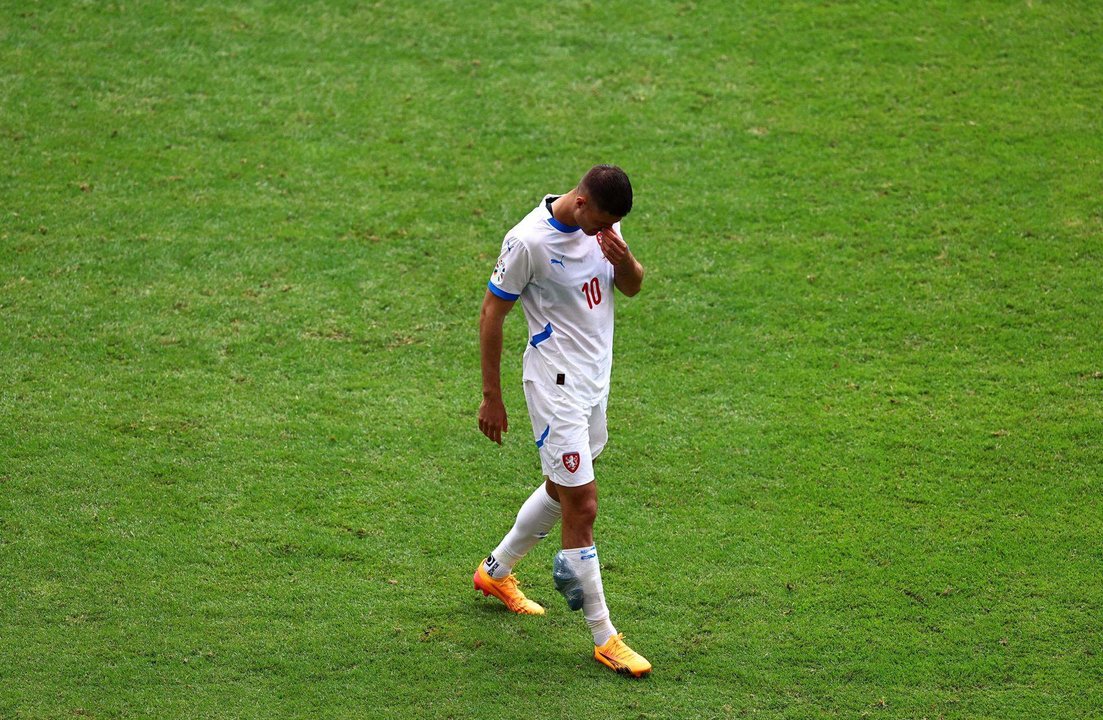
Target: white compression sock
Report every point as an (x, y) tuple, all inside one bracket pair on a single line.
[(536, 517), (584, 562)]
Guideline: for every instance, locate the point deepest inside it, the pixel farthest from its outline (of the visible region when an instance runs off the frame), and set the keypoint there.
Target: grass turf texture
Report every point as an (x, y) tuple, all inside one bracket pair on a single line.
[(855, 458)]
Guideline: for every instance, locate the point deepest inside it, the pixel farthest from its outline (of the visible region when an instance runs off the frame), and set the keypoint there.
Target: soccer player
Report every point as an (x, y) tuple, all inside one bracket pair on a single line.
[(563, 261)]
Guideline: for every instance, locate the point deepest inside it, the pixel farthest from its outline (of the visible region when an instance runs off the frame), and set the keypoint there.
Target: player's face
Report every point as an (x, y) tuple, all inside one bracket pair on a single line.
[(592, 219)]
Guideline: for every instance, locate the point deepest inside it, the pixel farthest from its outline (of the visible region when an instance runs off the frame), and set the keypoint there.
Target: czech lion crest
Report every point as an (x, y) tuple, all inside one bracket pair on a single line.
[(571, 461)]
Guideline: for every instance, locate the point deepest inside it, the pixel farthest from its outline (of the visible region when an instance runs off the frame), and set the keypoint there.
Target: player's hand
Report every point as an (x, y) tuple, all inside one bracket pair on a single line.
[(492, 419), (612, 246)]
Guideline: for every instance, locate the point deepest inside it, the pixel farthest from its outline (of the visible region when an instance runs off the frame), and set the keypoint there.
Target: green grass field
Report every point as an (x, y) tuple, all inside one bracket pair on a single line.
[(856, 416)]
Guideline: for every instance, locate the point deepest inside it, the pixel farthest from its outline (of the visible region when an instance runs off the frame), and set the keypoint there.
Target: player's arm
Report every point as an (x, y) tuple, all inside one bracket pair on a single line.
[(627, 271), (492, 411)]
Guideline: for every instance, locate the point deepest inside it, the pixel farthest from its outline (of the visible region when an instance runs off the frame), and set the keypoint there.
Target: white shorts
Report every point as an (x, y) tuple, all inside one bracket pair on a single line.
[(569, 434)]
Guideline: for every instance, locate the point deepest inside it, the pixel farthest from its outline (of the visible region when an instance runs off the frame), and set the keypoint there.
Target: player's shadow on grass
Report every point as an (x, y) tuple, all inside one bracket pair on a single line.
[(494, 607)]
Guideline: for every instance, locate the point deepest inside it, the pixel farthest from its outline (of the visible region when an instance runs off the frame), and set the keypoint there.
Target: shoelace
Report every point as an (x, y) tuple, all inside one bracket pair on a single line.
[(619, 649), (510, 583)]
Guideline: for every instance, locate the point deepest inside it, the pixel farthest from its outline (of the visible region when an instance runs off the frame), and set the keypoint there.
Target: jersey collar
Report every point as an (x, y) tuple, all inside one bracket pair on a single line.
[(561, 227)]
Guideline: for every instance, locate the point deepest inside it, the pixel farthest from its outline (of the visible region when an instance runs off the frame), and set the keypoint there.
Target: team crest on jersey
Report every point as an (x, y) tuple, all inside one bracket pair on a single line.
[(570, 461)]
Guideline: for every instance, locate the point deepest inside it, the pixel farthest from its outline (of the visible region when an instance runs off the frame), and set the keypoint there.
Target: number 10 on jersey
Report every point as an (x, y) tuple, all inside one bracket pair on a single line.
[(592, 291)]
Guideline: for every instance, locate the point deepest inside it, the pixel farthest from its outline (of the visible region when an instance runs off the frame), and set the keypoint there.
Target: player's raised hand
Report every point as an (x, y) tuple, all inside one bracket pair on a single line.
[(492, 419), (612, 246)]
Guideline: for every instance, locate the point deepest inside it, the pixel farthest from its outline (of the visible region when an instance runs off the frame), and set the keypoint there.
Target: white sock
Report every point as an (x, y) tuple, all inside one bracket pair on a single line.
[(584, 562), (535, 519)]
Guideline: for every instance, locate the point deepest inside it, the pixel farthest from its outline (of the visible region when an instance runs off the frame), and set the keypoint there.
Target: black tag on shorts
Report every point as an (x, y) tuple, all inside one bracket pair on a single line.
[(560, 379)]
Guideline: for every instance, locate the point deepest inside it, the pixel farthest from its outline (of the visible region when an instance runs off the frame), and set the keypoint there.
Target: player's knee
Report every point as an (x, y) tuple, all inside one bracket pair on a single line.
[(585, 513), (580, 512)]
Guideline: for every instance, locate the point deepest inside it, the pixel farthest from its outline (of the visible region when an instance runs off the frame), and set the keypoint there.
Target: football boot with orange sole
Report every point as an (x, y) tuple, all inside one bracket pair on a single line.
[(616, 655), (506, 590)]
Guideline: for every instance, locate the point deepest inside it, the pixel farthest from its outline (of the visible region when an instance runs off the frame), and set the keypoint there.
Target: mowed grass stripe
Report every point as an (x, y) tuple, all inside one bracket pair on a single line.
[(853, 467)]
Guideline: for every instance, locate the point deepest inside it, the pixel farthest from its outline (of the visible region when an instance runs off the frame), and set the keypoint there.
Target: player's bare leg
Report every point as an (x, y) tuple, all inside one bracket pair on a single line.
[(579, 506)]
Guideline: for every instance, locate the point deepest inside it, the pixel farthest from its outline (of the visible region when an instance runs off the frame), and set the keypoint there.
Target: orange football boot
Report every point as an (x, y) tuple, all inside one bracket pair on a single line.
[(615, 654), (506, 590)]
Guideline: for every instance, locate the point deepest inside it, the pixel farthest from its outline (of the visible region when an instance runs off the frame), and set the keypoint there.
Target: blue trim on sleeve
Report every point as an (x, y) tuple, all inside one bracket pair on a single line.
[(500, 292), (562, 227), (541, 336), (540, 442)]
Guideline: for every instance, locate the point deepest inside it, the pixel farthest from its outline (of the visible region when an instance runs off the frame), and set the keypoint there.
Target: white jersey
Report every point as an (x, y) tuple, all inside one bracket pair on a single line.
[(566, 289)]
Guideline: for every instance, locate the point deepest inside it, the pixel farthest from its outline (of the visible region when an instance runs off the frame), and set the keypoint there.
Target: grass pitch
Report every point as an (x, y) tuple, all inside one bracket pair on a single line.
[(856, 411)]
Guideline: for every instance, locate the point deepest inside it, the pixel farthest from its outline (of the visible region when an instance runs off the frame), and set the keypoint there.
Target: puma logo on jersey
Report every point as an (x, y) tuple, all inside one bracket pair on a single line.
[(559, 263)]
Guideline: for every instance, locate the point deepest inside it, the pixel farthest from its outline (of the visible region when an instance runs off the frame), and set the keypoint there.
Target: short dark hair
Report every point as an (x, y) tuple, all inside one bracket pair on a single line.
[(609, 188)]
